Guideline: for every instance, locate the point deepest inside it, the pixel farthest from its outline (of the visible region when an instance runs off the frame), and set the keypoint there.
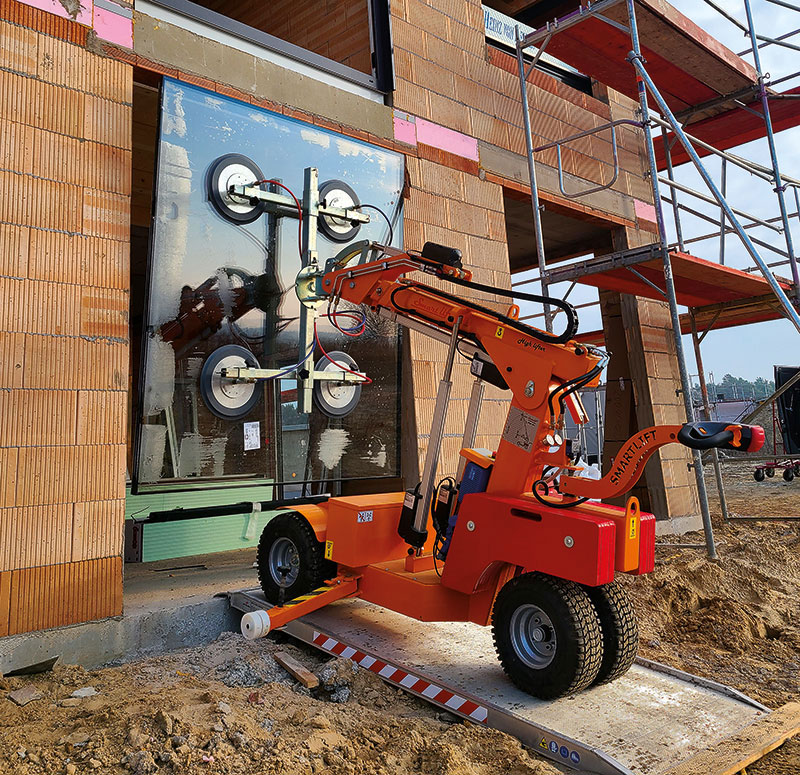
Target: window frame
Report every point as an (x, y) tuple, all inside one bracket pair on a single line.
[(381, 80)]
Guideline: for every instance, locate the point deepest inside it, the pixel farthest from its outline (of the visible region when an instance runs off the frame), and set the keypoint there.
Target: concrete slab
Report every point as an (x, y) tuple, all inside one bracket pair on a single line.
[(191, 47)]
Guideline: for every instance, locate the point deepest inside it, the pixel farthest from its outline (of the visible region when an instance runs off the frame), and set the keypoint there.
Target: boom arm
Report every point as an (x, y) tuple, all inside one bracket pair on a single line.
[(543, 371)]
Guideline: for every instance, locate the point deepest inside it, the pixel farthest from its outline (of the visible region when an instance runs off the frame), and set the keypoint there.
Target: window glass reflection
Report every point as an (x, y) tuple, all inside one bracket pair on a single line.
[(222, 295)]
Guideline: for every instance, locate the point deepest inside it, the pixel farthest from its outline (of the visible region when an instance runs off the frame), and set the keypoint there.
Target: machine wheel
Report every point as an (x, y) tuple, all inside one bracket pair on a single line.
[(788, 474), (796, 469), (620, 630), (758, 474), (769, 471), (291, 558), (547, 635)]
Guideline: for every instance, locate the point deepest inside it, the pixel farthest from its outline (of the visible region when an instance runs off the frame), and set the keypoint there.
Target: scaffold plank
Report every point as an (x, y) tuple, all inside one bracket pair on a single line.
[(735, 127), (690, 66)]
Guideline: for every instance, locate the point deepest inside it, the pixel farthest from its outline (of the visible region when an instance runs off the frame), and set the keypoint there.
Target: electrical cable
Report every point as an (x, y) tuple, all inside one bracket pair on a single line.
[(415, 313), (365, 380), (511, 322), (551, 504), (584, 379), (296, 365), (566, 307), (385, 217), (357, 315)]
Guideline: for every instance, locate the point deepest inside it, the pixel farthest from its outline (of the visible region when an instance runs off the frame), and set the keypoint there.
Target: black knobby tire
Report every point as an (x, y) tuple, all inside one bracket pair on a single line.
[(770, 471), (576, 635), (620, 631), (788, 474), (311, 569), (758, 474)]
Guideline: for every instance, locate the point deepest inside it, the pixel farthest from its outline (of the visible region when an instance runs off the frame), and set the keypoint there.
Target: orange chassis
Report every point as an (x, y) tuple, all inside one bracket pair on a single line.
[(495, 539), (510, 528)]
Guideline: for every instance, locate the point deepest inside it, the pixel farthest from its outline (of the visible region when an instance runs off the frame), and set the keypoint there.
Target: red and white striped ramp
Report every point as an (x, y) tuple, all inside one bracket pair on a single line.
[(645, 723)]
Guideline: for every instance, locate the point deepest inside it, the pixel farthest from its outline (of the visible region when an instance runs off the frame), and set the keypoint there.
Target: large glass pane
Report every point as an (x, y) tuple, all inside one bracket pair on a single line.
[(214, 284)]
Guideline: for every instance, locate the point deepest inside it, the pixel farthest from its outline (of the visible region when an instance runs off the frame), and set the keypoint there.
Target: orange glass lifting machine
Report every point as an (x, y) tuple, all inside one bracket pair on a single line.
[(516, 538)]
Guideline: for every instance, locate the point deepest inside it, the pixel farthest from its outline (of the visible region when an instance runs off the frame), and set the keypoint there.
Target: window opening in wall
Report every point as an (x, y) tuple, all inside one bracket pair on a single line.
[(566, 238), (146, 103), (500, 31), (219, 289)]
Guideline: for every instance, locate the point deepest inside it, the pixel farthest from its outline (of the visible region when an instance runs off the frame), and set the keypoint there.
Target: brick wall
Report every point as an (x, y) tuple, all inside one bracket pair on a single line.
[(64, 228), (455, 207), (446, 73)]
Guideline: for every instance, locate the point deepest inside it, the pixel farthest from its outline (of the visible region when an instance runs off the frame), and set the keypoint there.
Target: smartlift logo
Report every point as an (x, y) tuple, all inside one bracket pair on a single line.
[(637, 447)]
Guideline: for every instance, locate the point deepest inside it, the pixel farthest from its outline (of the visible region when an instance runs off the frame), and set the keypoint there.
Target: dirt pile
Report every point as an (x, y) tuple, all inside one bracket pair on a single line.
[(736, 620), (230, 708)]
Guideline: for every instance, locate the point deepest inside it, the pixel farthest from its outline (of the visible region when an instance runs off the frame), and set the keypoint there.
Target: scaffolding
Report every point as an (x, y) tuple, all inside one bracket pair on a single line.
[(736, 108)]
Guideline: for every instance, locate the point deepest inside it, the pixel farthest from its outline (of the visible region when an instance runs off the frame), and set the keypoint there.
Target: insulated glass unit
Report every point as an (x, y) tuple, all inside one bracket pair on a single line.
[(221, 293)]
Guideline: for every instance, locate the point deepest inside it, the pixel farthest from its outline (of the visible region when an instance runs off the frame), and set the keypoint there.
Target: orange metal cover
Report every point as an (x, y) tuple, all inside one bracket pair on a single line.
[(362, 529)]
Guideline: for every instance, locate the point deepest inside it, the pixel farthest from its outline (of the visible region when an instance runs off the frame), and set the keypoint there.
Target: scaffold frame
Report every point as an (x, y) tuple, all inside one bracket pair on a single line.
[(730, 220)]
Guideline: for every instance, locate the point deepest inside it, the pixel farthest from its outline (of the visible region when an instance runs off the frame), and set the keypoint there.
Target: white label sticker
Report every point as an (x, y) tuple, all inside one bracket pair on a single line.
[(520, 428), (364, 516), (252, 435)]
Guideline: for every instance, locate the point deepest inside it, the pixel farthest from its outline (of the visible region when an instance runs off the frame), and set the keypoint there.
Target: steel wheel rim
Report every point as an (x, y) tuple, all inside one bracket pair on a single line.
[(283, 554), (533, 636)]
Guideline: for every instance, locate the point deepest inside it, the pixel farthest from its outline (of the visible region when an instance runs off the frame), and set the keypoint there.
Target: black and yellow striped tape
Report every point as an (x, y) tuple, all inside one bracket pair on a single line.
[(309, 596)]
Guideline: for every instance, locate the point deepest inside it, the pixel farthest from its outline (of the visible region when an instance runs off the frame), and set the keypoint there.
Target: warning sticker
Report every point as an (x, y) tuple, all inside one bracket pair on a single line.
[(543, 744), (329, 550), (520, 428)]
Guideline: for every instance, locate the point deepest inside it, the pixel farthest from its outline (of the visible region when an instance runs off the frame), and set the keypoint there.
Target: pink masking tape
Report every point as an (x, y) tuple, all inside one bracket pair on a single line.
[(113, 27), (447, 139), (84, 15), (644, 210), (405, 131)]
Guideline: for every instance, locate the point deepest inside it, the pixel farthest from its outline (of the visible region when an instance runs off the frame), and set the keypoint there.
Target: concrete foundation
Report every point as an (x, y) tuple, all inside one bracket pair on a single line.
[(168, 605)]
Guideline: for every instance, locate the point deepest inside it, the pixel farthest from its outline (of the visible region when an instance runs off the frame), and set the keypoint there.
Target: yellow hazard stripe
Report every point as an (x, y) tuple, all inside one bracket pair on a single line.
[(309, 596)]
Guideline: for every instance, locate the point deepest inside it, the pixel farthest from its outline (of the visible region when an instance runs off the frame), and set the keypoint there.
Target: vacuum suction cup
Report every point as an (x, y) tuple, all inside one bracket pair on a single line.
[(336, 399), (336, 193), (233, 169), (225, 398)]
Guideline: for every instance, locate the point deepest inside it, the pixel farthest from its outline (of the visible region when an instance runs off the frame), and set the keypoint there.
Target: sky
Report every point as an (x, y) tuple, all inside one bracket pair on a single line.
[(745, 351)]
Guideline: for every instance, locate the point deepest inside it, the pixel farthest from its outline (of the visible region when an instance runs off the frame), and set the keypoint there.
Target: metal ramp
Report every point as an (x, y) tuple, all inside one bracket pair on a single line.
[(645, 723)]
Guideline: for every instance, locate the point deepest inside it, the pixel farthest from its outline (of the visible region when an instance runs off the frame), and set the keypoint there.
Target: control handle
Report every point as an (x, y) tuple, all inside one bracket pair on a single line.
[(721, 435)]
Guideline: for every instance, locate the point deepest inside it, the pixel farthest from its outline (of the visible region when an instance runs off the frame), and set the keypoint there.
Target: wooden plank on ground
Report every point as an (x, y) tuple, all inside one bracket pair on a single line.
[(732, 755), (302, 674)]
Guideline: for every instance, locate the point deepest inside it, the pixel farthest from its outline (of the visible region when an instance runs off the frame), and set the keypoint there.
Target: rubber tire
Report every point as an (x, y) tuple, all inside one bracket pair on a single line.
[(314, 568), (770, 472), (758, 474), (620, 631), (579, 649), (788, 474)]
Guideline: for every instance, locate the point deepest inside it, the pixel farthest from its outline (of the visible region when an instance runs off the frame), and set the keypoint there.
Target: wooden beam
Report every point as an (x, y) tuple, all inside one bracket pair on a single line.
[(300, 672), (732, 755)]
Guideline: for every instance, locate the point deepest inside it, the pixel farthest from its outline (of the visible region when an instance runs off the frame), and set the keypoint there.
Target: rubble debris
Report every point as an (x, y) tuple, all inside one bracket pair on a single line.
[(25, 695)]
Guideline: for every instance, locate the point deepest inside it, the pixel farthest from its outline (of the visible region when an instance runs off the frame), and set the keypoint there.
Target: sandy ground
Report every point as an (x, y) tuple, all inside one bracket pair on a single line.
[(226, 708)]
